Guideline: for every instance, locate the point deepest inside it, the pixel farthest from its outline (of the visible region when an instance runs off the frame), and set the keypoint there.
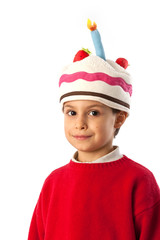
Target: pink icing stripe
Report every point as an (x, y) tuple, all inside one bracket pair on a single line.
[(113, 81)]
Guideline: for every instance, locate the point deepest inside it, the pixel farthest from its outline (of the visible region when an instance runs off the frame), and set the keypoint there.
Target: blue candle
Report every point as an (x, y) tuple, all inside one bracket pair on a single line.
[(96, 39), (98, 44)]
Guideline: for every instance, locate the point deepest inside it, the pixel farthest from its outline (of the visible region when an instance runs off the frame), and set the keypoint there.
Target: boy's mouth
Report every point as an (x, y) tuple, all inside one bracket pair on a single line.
[(81, 137)]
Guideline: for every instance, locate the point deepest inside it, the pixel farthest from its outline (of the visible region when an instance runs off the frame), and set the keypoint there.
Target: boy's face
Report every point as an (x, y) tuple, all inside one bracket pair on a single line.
[(89, 127)]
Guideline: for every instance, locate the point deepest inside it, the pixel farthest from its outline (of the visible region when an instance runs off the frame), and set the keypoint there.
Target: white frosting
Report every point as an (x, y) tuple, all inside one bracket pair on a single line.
[(94, 64)]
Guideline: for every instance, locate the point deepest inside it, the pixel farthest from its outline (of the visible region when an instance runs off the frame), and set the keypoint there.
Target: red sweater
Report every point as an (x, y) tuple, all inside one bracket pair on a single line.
[(101, 201)]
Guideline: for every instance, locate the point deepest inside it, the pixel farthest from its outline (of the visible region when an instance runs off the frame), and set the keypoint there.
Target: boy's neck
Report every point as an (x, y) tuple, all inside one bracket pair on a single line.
[(92, 156)]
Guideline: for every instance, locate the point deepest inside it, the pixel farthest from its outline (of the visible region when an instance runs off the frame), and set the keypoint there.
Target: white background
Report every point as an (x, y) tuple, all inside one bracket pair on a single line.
[(37, 38)]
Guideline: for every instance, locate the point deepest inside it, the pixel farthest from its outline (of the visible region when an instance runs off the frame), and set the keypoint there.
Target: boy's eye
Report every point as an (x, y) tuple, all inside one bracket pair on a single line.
[(71, 113), (93, 113)]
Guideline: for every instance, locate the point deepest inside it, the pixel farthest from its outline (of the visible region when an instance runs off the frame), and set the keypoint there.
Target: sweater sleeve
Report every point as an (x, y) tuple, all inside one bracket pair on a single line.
[(148, 223), (36, 231), (147, 206)]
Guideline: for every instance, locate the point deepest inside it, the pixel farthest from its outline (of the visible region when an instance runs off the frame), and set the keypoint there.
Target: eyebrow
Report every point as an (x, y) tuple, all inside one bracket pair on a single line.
[(92, 106), (69, 106)]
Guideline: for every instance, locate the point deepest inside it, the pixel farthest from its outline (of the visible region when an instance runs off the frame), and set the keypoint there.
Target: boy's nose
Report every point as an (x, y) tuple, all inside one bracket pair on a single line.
[(81, 123)]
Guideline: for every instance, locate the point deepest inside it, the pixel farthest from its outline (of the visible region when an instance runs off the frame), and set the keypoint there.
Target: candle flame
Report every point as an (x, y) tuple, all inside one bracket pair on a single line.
[(90, 26)]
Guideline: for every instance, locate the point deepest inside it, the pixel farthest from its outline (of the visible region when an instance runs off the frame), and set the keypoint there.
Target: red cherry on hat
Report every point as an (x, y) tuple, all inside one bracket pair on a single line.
[(122, 62)]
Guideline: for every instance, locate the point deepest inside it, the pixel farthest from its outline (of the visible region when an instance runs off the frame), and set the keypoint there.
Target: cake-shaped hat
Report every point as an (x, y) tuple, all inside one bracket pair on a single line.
[(96, 78)]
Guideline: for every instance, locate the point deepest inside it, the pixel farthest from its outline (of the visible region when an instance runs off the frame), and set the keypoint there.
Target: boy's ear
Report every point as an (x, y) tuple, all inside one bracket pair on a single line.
[(120, 119)]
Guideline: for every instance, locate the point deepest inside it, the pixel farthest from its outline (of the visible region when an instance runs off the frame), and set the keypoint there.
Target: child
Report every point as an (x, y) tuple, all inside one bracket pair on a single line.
[(100, 194)]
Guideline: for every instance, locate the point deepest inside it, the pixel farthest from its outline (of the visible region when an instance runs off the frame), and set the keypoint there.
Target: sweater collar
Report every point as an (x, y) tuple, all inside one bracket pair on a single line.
[(110, 157)]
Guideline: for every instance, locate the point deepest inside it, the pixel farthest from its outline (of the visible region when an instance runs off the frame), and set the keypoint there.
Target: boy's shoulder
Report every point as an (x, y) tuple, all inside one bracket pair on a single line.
[(142, 175), (139, 168), (56, 175)]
